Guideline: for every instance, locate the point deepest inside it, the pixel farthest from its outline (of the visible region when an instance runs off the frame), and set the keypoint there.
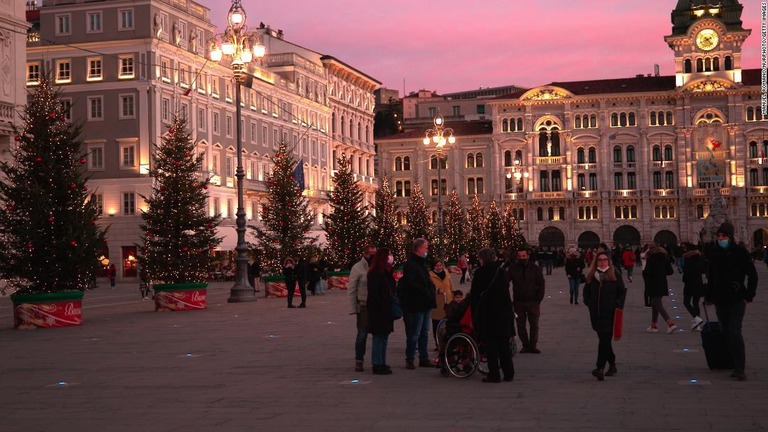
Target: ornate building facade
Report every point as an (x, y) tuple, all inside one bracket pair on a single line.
[(624, 161), (13, 94), (127, 68)]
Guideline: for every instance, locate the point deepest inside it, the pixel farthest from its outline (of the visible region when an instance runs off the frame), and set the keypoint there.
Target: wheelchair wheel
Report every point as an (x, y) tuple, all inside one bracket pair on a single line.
[(440, 331), (461, 355)]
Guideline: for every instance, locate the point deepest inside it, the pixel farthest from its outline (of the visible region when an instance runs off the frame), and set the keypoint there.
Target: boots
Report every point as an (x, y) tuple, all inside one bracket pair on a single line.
[(381, 370)]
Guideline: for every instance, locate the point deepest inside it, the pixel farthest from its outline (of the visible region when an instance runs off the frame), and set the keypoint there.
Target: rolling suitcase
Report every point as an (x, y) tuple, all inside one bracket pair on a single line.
[(713, 340)]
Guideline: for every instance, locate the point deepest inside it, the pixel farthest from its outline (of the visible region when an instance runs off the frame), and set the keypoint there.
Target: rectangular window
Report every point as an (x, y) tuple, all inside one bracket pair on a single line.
[(230, 168), (215, 163), (63, 25), (215, 87), (63, 71), (481, 109), (183, 33), (96, 158), (93, 22), (33, 73), (166, 109), (94, 69), (201, 119), (95, 108), (66, 108), (128, 155), (127, 106), (456, 110), (98, 202), (125, 19), (215, 122), (165, 70), (183, 75), (129, 203), (200, 41), (126, 67), (264, 136), (230, 209)]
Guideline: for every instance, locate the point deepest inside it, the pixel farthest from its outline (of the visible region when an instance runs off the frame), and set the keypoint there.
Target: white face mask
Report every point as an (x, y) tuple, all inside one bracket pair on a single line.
[(603, 269)]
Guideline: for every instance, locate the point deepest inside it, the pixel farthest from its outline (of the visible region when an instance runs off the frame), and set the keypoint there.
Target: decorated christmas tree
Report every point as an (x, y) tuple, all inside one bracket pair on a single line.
[(513, 237), (286, 219), (347, 226), (179, 234), (418, 219), (495, 227), (386, 231), (455, 228), (49, 240), (476, 237)]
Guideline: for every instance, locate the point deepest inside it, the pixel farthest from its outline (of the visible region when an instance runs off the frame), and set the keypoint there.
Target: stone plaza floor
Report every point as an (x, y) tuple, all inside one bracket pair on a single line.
[(262, 367)]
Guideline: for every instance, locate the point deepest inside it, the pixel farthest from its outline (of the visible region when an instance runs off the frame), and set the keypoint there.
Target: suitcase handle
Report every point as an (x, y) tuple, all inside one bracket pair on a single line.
[(704, 306)]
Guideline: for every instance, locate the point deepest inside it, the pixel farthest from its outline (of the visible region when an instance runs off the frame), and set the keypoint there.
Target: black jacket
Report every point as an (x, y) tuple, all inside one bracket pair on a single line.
[(527, 282), (415, 289), (603, 298), (290, 277), (693, 268), (574, 267), (381, 288), (726, 273), (491, 304), (657, 268)]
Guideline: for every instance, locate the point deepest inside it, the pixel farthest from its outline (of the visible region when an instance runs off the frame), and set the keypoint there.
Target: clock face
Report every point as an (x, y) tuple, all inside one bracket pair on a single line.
[(707, 39)]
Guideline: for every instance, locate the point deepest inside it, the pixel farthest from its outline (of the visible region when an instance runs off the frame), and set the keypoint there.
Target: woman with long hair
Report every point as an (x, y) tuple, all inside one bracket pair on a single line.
[(603, 294), (381, 288), (441, 278)]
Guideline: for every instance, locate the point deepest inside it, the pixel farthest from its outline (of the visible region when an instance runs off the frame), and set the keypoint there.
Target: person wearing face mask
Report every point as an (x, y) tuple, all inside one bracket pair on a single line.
[(604, 292), (729, 266), (357, 293), (527, 294), (381, 288), (416, 293)]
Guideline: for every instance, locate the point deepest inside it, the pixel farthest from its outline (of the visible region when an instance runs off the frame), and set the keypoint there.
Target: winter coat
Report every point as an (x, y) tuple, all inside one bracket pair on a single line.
[(289, 273), (491, 305), (415, 289), (574, 267), (726, 273), (657, 268), (527, 282), (443, 293), (693, 268), (357, 288), (628, 258), (602, 299), (381, 288), (313, 273)]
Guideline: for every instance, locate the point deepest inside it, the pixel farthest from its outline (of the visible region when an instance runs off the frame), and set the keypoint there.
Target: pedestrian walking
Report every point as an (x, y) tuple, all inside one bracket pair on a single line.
[(492, 315), (657, 268), (574, 270), (604, 292), (628, 261), (112, 275), (463, 265), (693, 286), (729, 265), (527, 295), (289, 273), (314, 275), (381, 288), (357, 293), (417, 298)]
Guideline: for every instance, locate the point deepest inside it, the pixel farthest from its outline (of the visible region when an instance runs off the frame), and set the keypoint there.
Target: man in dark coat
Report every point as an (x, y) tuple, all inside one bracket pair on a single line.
[(492, 315), (729, 265), (416, 293), (528, 292)]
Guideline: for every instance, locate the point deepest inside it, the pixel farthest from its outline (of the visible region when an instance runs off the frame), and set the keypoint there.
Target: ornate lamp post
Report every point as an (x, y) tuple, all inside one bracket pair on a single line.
[(439, 136), (240, 47), (517, 172)]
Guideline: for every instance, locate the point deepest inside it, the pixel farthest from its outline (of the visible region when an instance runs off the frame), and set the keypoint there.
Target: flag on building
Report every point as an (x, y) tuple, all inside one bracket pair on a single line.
[(298, 174)]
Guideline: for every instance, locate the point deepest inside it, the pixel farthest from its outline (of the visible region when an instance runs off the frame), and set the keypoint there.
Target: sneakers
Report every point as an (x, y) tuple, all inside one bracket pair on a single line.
[(381, 370), (672, 327), (697, 323), (611, 370), (409, 364), (598, 373), (652, 328)]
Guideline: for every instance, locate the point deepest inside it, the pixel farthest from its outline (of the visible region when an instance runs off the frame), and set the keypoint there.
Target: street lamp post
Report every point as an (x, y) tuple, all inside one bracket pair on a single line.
[(439, 136), (240, 47), (518, 174)]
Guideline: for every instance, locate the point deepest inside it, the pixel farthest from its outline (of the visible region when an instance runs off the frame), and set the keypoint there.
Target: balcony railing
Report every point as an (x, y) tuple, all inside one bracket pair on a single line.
[(586, 166), (699, 192), (758, 161), (758, 190), (625, 193), (587, 194), (723, 154), (663, 192), (514, 196), (549, 160), (662, 164), (549, 195)]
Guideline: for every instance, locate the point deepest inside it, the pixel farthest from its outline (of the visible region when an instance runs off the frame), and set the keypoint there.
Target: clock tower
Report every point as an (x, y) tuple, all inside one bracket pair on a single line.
[(706, 38)]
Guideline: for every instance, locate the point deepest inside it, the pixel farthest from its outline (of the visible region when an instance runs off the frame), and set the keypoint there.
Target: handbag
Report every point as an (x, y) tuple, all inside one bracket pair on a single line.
[(397, 311), (618, 324)]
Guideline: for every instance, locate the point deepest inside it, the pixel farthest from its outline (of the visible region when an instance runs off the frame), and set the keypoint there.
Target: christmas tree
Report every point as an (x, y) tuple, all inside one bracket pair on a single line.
[(179, 235), (286, 218), (495, 227), (386, 231), (477, 236), (455, 228), (513, 237), (49, 240), (347, 226), (418, 219)]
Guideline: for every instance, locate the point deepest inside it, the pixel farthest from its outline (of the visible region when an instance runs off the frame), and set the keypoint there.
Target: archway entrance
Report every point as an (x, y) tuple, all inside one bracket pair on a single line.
[(588, 239), (760, 238), (626, 235), (664, 238), (551, 237)]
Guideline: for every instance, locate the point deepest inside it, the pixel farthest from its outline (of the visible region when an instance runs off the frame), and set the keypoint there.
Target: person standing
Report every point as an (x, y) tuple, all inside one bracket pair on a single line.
[(381, 288), (729, 266), (289, 273), (492, 315), (549, 260), (417, 298), (463, 265), (254, 273), (616, 257), (301, 279), (357, 293), (112, 276), (441, 279), (314, 275), (603, 294), (574, 267), (628, 261), (657, 268), (528, 292), (693, 286)]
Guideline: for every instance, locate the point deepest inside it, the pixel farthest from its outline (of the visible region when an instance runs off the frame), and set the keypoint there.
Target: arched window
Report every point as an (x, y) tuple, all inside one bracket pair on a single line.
[(519, 124), (592, 181), (521, 214), (350, 128), (544, 181), (716, 64), (557, 184), (478, 160), (668, 155), (407, 163), (623, 119), (581, 213), (471, 186), (580, 155), (542, 142), (508, 158), (670, 118), (618, 181), (407, 188), (707, 64), (728, 63), (333, 123), (505, 125), (480, 186), (614, 120), (433, 162), (753, 177), (617, 154), (509, 185), (593, 121), (519, 156), (470, 161), (398, 163), (632, 121), (752, 149), (581, 182), (652, 118), (398, 188), (577, 122), (688, 67), (630, 153), (539, 213), (592, 155), (550, 213), (555, 137), (669, 180), (561, 213), (699, 65), (657, 180), (631, 180), (594, 212), (342, 125), (656, 152), (700, 211), (754, 210), (750, 114), (433, 189)]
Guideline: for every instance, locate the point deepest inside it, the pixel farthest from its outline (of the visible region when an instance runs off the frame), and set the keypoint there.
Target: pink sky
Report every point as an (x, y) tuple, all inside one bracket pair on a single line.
[(456, 45)]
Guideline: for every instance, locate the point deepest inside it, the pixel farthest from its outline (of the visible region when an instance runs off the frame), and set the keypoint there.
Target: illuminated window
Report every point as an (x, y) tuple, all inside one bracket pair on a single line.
[(126, 67), (95, 69), (33, 73), (63, 71)]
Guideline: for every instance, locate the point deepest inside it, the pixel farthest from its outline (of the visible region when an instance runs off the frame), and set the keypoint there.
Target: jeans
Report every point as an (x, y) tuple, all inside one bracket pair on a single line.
[(548, 266), (573, 283), (302, 291), (379, 349), (605, 352), (528, 311), (658, 308), (362, 334), (417, 332), (679, 262), (731, 316), (630, 271)]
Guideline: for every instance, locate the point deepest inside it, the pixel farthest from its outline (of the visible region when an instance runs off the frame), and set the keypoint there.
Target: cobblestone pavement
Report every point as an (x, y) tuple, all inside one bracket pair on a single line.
[(262, 367)]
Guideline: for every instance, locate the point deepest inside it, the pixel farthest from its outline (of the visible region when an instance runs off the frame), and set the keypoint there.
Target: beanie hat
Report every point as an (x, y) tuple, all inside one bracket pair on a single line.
[(727, 229)]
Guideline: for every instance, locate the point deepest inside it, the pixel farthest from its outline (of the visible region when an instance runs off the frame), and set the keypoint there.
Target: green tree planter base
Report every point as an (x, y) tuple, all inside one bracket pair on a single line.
[(179, 297), (47, 310)]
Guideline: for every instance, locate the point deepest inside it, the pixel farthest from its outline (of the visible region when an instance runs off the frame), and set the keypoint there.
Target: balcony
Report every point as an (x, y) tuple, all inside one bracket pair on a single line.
[(514, 196), (549, 195), (724, 154), (663, 164), (757, 190), (586, 166), (587, 194), (698, 192), (549, 160), (758, 161), (625, 193), (663, 193)]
